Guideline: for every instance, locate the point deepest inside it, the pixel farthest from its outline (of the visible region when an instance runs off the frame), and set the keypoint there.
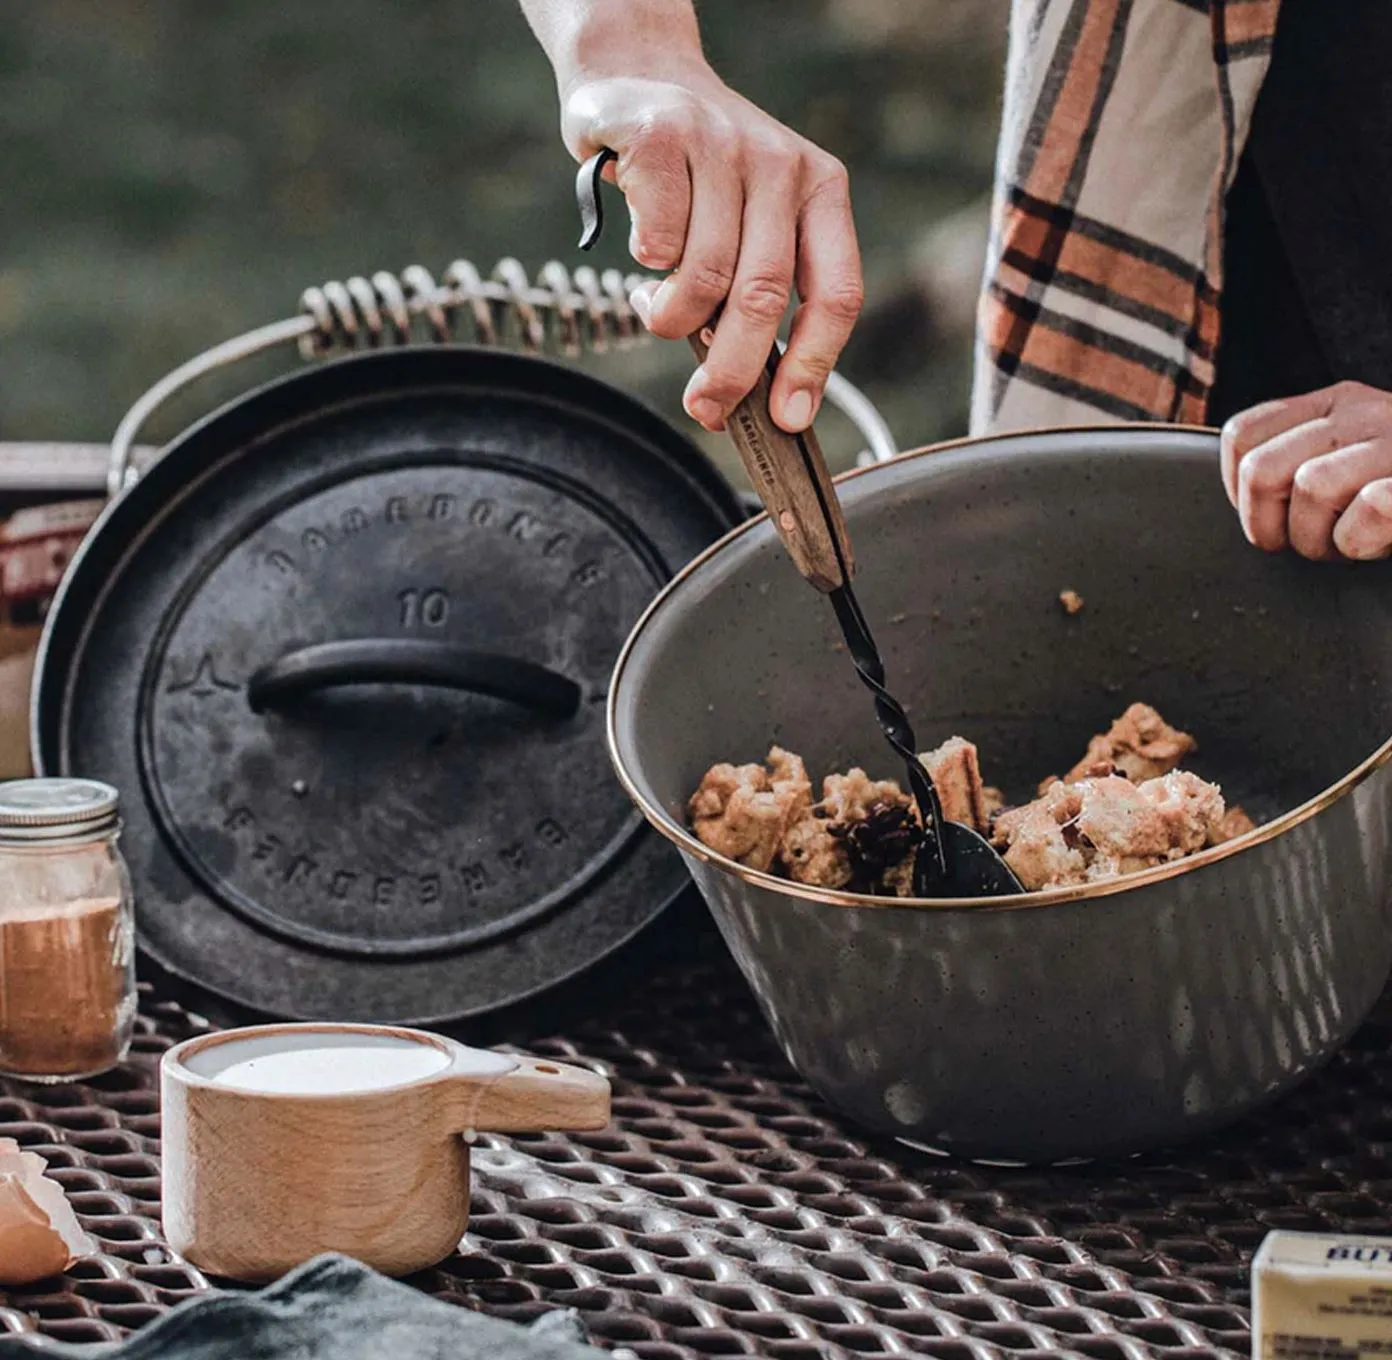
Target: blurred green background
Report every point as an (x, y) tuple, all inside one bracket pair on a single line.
[(176, 171)]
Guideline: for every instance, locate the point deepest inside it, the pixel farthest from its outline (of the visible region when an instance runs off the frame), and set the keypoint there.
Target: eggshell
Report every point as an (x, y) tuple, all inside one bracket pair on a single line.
[(39, 1233)]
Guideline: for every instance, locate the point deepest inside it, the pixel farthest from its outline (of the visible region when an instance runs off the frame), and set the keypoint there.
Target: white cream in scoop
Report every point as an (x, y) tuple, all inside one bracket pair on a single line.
[(328, 1063)]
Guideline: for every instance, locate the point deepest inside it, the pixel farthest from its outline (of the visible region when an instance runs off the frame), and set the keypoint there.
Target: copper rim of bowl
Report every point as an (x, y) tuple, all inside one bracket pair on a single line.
[(675, 832), (174, 1057)]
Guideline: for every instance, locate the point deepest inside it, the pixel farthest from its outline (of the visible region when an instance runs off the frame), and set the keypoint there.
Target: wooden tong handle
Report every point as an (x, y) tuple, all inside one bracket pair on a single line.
[(790, 476), (788, 471)]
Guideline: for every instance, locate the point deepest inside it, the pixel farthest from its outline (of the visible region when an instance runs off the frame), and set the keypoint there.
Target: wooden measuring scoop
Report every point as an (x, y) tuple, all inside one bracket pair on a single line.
[(791, 478), (284, 1141)]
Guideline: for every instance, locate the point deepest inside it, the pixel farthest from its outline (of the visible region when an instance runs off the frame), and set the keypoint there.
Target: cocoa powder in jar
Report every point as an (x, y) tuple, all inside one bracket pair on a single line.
[(66, 1001)]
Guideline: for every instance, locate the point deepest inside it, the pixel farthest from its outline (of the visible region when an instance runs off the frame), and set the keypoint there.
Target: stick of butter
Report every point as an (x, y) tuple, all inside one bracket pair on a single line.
[(1318, 1296)]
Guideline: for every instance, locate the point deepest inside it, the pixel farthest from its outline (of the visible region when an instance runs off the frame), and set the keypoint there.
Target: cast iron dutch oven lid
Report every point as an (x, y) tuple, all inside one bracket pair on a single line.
[(345, 649)]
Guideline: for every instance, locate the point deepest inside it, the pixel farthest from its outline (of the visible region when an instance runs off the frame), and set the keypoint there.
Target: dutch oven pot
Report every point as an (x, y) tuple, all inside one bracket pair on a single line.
[(344, 646), (1071, 1023)]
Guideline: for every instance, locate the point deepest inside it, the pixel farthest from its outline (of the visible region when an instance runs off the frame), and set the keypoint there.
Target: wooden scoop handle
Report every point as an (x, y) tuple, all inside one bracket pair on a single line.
[(790, 476), (535, 1096)]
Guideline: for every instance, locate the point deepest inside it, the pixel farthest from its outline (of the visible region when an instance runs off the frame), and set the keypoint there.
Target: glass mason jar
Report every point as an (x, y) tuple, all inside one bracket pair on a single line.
[(67, 931)]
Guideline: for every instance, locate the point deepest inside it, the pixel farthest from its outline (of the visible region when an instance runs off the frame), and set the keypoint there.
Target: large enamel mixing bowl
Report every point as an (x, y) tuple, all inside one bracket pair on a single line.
[(1077, 1022)]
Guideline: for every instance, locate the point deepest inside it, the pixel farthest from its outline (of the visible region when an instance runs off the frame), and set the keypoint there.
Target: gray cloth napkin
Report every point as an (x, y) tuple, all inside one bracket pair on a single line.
[(331, 1308)]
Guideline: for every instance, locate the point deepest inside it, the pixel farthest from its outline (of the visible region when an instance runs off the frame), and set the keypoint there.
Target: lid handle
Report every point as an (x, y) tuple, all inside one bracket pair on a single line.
[(446, 665)]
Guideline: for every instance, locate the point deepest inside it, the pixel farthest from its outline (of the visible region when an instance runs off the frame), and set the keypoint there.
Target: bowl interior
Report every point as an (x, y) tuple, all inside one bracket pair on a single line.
[(1282, 669)]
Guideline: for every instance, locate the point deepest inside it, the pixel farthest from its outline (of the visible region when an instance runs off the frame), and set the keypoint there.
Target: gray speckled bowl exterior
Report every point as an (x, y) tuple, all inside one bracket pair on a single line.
[(1058, 1025)]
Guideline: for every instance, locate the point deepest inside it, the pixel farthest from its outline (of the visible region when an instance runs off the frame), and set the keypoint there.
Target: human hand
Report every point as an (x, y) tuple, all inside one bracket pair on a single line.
[(741, 210), (1314, 472)]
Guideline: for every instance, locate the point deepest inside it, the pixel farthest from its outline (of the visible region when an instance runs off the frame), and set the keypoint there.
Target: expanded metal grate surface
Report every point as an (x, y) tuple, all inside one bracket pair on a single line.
[(727, 1212)]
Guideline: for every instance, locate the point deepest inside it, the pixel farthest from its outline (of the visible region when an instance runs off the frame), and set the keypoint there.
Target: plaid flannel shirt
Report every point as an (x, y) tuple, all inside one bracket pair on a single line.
[(1121, 132)]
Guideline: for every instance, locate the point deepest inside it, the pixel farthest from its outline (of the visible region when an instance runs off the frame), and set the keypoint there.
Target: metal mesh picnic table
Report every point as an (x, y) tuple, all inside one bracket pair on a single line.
[(727, 1211)]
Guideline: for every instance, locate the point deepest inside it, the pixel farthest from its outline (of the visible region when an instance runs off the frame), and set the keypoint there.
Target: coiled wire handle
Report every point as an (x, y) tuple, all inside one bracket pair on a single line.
[(571, 312)]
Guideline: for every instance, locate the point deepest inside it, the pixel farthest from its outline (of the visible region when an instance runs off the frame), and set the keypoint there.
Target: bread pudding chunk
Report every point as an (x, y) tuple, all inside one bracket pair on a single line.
[(1125, 807)]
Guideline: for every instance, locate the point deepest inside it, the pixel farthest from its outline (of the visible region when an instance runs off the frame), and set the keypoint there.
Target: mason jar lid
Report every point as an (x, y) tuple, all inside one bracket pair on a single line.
[(57, 809)]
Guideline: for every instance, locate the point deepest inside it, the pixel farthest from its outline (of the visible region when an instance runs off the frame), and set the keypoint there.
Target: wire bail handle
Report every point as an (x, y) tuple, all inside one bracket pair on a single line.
[(572, 312)]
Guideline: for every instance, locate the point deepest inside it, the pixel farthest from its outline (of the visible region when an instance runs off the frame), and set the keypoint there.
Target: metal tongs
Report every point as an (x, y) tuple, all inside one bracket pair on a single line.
[(791, 478)]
